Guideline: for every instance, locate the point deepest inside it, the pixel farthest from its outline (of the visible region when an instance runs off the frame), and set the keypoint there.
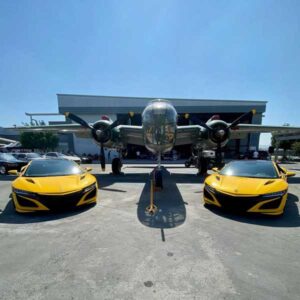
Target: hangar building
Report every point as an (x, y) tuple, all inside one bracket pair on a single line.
[(91, 108)]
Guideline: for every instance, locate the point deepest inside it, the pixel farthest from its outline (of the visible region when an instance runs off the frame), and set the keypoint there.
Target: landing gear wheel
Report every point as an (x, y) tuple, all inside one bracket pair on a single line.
[(158, 179), (116, 166), (202, 166), (2, 170), (187, 164)]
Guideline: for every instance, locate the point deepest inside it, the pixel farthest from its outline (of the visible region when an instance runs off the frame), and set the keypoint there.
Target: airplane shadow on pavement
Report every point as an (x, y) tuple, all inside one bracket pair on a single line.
[(171, 206), (171, 210)]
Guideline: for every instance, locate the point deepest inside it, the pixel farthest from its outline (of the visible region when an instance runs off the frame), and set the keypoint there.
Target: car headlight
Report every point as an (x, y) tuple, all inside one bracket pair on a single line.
[(210, 189), (274, 195), (89, 188), (24, 193)]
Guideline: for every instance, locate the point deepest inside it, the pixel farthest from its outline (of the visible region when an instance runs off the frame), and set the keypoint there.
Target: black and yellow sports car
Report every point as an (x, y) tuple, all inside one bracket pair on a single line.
[(53, 184), (249, 186)]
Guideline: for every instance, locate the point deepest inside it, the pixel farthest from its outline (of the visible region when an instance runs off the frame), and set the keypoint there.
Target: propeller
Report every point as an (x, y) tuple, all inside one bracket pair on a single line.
[(244, 116), (100, 133), (78, 120), (219, 132)]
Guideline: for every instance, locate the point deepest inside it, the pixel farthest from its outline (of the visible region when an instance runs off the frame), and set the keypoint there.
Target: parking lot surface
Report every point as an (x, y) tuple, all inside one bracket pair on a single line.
[(115, 250)]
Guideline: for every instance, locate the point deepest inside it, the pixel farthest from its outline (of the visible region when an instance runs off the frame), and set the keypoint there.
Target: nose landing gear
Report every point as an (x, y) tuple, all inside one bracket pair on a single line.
[(151, 209), (158, 179)]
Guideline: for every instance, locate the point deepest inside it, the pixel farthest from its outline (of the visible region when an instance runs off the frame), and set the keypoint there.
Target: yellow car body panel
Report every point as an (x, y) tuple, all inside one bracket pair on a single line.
[(53, 187), (245, 188)]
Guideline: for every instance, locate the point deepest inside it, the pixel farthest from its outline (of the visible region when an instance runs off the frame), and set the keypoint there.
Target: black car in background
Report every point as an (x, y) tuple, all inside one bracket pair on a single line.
[(9, 162)]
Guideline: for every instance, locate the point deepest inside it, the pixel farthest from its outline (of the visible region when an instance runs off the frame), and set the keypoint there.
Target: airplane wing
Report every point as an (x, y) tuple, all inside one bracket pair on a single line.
[(59, 128), (256, 128), (188, 134), (3, 140), (130, 134)]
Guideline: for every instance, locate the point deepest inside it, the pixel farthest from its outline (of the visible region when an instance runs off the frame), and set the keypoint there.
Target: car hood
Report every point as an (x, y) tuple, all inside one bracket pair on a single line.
[(54, 184), (245, 185)]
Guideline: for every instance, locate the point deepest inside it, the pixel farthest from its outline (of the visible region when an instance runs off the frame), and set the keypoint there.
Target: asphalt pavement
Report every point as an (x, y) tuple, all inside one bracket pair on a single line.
[(115, 250)]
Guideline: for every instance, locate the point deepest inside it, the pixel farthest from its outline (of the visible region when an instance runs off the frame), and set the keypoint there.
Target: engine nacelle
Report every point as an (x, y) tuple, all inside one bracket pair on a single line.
[(219, 133), (99, 132)]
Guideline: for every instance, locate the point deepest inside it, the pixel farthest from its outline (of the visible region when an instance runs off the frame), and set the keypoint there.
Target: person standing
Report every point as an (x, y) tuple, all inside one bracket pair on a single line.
[(255, 154)]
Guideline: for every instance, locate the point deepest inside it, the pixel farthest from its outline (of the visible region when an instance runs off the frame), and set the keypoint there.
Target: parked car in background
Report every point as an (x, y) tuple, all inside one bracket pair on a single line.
[(60, 155), (9, 162), (27, 156), (86, 159)]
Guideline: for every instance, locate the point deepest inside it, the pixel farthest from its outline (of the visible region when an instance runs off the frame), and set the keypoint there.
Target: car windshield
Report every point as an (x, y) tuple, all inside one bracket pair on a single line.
[(6, 156), (33, 155), (253, 169), (52, 167)]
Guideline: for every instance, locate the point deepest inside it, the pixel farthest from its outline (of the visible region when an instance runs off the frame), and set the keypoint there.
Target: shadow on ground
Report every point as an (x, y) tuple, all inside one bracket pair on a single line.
[(8, 177), (290, 218), (293, 180), (171, 210), (10, 216), (171, 206)]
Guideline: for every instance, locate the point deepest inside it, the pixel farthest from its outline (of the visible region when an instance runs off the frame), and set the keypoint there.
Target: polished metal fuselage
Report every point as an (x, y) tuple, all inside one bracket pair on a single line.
[(159, 121)]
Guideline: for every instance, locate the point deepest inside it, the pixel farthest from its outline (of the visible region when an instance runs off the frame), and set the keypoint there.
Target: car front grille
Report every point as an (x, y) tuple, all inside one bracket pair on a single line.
[(24, 202), (237, 203), (62, 202)]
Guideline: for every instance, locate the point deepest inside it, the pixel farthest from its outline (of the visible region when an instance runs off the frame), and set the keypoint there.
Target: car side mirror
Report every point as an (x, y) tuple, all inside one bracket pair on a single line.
[(13, 172), (215, 169), (88, 169), (290, 174)]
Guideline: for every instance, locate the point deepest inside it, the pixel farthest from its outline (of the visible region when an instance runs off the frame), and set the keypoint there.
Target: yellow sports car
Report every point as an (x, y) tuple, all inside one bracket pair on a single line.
[(251, 186), (53, 184)]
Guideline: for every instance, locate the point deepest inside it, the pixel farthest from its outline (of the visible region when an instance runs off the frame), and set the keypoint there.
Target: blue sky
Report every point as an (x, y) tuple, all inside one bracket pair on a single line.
[(184, 49)]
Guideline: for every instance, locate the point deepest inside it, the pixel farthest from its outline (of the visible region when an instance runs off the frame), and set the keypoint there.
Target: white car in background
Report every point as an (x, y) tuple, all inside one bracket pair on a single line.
[(27, 156), (60, 155)]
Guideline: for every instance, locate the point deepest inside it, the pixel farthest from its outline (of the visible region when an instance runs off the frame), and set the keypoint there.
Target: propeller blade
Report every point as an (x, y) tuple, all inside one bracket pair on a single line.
[(102, 158), (197, 121), (242, 117), (113, 125), (78, 120), (121, 120)]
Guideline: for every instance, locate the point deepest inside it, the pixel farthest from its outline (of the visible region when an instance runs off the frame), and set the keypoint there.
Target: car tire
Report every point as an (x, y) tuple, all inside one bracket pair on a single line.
[(3, 170)]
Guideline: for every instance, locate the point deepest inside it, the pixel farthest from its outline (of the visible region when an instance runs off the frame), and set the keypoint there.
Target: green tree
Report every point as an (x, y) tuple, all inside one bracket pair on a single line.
[(296, 148), (283, 144), (39, 140)]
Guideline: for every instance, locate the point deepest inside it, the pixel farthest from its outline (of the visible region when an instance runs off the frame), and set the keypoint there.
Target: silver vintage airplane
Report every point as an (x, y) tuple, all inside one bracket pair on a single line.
[(159, 133)]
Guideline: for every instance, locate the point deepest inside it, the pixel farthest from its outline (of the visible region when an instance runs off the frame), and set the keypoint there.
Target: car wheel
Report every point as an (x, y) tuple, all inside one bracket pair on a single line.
[(2, 170)]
